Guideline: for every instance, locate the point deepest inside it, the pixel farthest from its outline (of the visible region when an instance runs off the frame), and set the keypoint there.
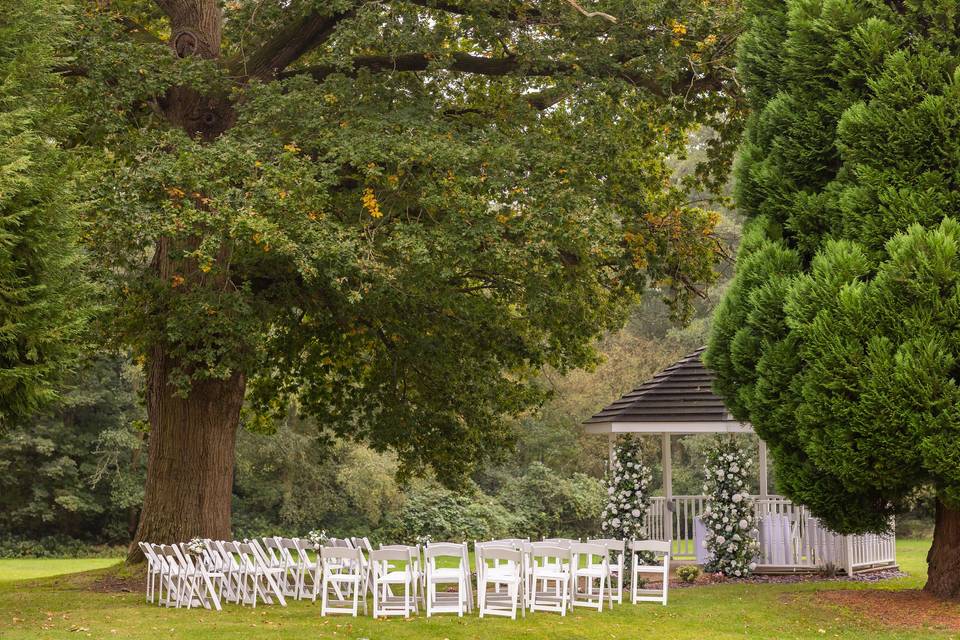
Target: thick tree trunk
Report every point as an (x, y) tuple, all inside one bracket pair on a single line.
[(191, 458), (943, 559)]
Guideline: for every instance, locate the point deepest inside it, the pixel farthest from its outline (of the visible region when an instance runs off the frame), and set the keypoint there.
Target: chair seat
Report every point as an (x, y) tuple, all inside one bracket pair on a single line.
[(445, 574), (396, 577), (551, 573), (656, 568), (343, 577)]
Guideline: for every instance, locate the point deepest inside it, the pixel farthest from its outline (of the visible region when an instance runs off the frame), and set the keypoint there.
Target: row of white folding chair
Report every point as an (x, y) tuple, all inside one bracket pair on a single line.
[(177, 578)]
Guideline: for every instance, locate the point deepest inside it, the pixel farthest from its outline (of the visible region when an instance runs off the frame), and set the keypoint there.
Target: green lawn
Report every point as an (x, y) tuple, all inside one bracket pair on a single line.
[(63, 607)]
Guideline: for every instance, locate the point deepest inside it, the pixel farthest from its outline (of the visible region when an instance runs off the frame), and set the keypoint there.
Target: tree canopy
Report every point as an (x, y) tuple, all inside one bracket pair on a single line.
[(837, 339), (387, 215)]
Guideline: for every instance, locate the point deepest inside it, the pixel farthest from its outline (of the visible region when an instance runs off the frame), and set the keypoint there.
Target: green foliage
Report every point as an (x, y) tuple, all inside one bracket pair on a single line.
[(437, 512), (688, 573), (75, 471), (41, 313), (59, 546), (399, 253), (549, 504), (837, 338)]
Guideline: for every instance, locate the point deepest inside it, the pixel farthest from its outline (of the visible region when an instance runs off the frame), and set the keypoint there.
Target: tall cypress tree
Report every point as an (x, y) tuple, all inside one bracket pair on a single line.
[(39, 280), (839, 337)]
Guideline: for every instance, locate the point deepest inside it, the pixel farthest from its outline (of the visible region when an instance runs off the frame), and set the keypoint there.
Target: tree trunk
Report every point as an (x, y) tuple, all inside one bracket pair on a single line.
[(943, 559), (190, 460)]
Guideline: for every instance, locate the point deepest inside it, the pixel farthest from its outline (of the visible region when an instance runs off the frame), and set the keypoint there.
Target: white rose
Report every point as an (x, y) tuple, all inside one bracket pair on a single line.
[(744, 524)]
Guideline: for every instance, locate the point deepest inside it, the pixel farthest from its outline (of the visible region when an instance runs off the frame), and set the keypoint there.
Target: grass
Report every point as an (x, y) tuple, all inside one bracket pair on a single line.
[(63, 606)]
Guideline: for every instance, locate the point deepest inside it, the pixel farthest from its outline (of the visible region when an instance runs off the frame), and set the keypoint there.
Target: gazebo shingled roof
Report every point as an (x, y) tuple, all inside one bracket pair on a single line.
[(678, 399)]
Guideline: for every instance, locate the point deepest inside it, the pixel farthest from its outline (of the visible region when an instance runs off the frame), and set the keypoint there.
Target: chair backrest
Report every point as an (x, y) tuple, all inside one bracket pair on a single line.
[(614, 545), (498, 554), (390, 555), (595, 553), (656, 546), (517, 542), (339, 553), (414, 551), (148, 553), (338, 542), (443, 550), (549, 554)]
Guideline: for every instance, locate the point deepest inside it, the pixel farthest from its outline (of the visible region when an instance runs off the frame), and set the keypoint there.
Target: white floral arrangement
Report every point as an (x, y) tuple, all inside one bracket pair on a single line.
[(196, 546), (730, 521), (317, 538), (423, 540), (628, 495)]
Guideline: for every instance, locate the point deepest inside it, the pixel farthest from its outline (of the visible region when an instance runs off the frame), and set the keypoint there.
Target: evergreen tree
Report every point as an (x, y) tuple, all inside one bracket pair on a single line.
[(40, 310), (838, 338)]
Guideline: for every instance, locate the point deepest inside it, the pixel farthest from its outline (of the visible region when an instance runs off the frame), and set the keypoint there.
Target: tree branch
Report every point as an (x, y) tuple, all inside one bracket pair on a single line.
[(480, 65), (292, 42)]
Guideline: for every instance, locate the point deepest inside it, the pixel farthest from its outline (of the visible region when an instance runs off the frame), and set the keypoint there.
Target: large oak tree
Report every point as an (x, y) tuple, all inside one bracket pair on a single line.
[(388, 214)]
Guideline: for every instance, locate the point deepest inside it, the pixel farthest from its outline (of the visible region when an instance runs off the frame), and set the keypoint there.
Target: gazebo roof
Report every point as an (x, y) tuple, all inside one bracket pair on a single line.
[(679, 399)]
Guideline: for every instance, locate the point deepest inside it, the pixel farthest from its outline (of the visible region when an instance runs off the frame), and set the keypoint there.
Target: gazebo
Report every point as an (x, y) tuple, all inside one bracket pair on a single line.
[(679, 400)]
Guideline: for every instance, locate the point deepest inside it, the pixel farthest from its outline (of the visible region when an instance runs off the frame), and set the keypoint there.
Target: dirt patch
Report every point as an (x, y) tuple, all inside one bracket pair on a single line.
[(905, 609), (117, 583)]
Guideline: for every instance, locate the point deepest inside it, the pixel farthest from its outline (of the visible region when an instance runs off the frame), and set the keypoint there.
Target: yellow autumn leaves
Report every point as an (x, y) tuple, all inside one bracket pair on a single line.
[(369, 200)]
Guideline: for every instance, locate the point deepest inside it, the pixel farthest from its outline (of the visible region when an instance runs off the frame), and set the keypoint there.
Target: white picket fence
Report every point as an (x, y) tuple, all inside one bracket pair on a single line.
[(791, 539)]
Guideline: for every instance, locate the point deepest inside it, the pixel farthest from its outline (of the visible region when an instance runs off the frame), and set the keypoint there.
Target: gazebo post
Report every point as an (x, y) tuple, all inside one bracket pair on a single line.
[(611, 443), (764, 488), (667, 464)]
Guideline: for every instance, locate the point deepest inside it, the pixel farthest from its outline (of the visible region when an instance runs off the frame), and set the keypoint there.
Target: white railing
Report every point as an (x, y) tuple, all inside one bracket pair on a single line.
[(790, 538)]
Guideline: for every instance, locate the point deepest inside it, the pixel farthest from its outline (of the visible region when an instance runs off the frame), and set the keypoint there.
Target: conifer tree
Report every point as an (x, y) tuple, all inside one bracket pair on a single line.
[(838, 338), (40, 282)]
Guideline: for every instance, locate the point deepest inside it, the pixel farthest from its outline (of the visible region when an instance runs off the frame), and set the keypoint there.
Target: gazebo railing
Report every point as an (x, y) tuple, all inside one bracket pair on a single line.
[(790, 538)]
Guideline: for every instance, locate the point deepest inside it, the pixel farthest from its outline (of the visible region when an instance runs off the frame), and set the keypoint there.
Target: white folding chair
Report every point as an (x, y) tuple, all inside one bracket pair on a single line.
[(595, 561), (269, 572), (435, 575), (507, 570), (227, 563), (416, 569), (385, 576), (617, 550), (550, 564), (171, 575), (153, 569), (342, 567), (312, 568), (639, 549), (198, 583), (295, 565)]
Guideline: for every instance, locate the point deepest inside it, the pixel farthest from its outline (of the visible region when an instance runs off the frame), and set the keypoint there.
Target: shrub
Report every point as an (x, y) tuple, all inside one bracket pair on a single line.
[(444, 515), (688, 573), (547, 504), (57, 547)]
